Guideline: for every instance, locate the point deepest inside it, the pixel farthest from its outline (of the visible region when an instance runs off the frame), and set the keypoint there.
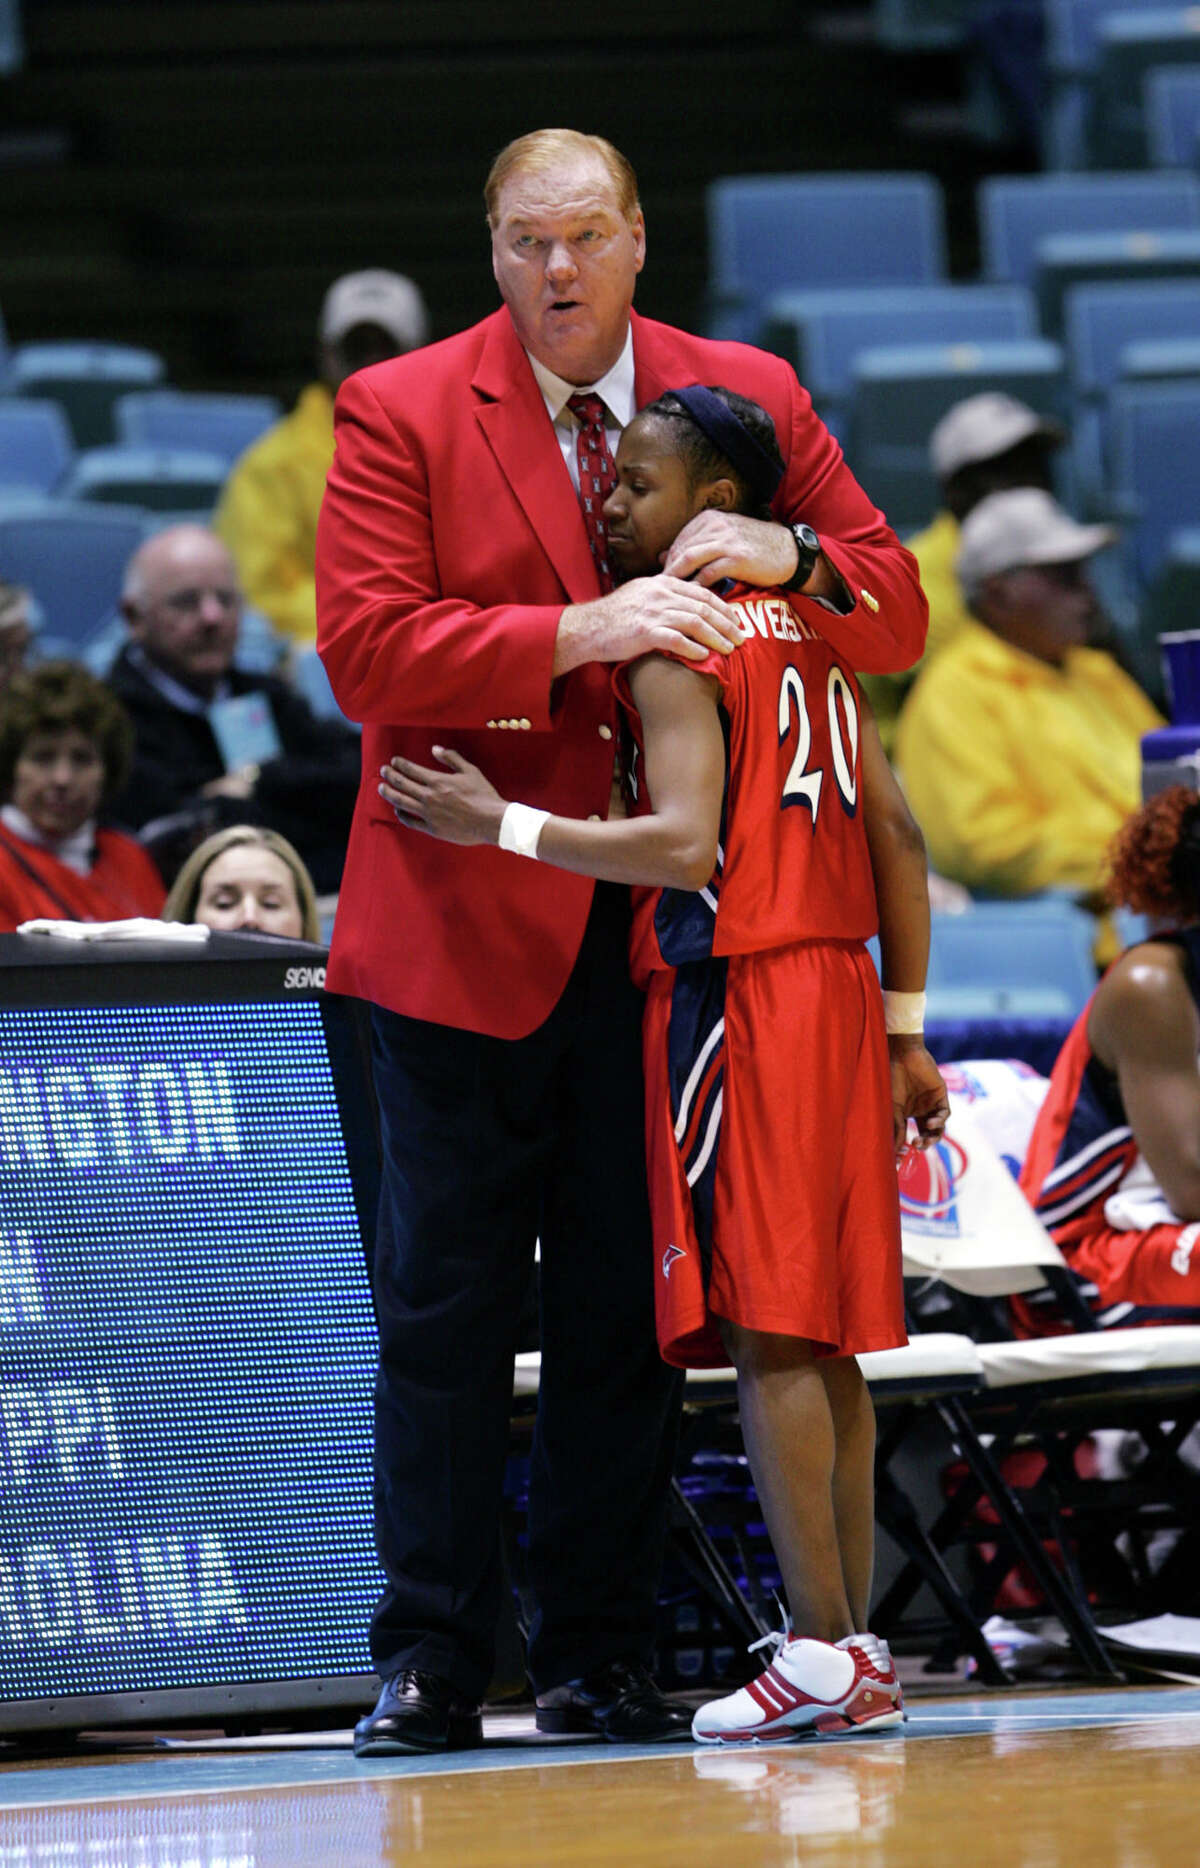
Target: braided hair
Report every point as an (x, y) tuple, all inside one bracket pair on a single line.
[(703, 459)]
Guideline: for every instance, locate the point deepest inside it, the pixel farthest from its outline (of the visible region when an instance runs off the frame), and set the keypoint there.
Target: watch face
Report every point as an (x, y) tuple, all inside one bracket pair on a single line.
[(807, 537)]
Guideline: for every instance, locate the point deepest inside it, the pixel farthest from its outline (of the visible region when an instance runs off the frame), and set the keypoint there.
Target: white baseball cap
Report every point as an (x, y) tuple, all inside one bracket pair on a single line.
[(984, 426), (387, 299), (1022, 525)]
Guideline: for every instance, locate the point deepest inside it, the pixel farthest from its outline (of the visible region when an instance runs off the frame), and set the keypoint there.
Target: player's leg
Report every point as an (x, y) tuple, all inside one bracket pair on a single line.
[(853, 1417), (788, 1428)]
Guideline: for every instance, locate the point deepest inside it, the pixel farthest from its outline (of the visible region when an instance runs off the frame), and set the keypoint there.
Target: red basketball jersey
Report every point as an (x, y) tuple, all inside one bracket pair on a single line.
[(792, 861)]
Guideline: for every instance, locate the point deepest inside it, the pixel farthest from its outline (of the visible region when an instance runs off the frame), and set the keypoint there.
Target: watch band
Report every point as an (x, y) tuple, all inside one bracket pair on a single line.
[(808, 550)]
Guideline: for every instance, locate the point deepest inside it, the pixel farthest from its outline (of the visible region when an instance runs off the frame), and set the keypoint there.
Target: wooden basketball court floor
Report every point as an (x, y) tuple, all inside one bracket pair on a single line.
[(1024, 1779)]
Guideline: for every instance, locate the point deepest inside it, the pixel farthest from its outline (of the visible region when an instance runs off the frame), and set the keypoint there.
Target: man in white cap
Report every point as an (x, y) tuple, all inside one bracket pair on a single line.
[(1019, 747), (268, 511), (980, 446)]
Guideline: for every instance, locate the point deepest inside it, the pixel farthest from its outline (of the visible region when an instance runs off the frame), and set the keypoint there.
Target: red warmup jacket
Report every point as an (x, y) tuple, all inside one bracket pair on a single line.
[(449, 542)]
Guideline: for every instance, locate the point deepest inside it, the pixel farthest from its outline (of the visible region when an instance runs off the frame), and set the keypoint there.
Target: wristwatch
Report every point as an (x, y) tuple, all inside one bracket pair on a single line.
[(808, 547)]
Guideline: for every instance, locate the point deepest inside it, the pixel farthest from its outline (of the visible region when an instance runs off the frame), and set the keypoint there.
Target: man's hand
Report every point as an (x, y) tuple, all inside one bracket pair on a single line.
[(917, 1092), (457, 805), (239, 784), (714, 545), (647, 615)]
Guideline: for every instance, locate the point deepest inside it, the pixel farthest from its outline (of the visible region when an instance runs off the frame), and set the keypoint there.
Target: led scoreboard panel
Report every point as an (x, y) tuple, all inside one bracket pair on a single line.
[(188, 1161)]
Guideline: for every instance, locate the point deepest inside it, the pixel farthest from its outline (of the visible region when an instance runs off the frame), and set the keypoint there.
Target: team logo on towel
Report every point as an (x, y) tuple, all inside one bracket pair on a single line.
[(928, 1179), (669, 1256)]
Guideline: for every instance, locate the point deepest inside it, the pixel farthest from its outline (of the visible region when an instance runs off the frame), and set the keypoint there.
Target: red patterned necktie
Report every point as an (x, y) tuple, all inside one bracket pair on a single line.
[(597, 476)]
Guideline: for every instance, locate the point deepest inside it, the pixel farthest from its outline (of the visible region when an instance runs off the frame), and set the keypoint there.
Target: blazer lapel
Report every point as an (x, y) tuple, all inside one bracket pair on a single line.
[(513, 420)]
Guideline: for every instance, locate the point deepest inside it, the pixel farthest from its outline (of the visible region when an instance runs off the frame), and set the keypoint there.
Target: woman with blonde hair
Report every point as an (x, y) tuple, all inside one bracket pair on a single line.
[(246, 880)]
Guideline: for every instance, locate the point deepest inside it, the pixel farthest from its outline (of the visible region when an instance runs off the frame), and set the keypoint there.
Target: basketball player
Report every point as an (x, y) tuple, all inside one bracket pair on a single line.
[(760, 803), (1113, 1166)]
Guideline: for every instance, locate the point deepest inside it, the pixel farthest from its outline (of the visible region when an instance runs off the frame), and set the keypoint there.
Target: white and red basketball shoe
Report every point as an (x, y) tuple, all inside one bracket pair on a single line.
[(879, 1654), (810, 1686)]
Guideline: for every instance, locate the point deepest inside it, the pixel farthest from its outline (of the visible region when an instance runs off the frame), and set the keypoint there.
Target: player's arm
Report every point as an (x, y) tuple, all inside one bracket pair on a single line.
[(902, 898), (1143, 1025), (675, 846)]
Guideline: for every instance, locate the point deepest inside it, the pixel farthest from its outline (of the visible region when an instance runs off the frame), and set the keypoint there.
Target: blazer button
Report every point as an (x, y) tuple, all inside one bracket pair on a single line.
[(492, 723), (605, 732), (525, 725)]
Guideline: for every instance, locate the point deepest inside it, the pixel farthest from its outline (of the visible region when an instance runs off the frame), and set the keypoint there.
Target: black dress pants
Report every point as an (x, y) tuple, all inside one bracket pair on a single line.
[(490, 1144)]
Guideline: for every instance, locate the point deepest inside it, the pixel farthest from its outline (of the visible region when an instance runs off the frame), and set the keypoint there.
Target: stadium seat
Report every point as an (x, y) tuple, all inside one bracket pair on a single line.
[(1022, 958), (900, 393), (1068, 260), (1017, 212), (86, 378), (311, 681), (1131, 44), (770, 232), (1171, 108), (821, 332), (920, 25), (71, 556), (1155, 431), (176, 418), (35, 445), (1104, 325), (177, 480), (1071, 56)]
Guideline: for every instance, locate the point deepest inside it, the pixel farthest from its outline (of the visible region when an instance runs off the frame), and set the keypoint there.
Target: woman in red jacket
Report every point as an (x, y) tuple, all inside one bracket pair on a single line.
[(65, 747)]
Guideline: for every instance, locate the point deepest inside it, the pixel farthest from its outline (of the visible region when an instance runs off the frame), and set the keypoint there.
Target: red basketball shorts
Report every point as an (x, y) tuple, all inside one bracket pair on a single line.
[(769, 1144)]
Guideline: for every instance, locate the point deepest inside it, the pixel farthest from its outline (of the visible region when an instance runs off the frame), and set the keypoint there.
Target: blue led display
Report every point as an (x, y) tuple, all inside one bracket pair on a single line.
[(186, 1353)]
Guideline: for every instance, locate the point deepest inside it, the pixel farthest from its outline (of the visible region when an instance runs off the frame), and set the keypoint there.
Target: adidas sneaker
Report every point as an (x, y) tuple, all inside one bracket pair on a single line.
[(810, 1686)]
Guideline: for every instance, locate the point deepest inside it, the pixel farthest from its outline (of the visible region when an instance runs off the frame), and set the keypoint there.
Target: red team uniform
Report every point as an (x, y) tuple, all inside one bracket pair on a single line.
[(768, 1097), (1091, 1188)]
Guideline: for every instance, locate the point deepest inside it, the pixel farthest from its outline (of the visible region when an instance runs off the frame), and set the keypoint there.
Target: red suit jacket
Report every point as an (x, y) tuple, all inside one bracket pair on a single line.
[(449, 542)]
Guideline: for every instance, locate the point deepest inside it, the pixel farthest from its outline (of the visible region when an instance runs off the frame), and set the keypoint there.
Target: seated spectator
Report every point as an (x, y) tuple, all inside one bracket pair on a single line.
[(65, 744), (1113, 1165), (16, 629), (1019, 746), (246, 880), (268, 511), (983, 445), (213, 743)]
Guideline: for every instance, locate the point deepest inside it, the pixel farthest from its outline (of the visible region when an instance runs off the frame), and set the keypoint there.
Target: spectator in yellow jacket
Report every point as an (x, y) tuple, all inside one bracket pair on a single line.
[(982, 445), (268, 511), (1019, 747)]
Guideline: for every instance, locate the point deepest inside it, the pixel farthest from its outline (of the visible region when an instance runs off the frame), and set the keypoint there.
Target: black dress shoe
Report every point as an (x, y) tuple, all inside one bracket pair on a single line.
[(418, 1712), (619, 1702)]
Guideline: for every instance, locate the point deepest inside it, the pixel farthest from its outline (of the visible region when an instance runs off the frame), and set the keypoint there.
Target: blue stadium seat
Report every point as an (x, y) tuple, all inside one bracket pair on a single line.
[(1015, 958), (1065, 261), (1132, 43), (1072, 54), (86, 378), (1155, 467), (311, 681), (770, 232), (821, 332), (1171, 109), (35, 445), (174, 480), (71, 556), (1103, 324), (1017, 212), (900, 393), (177, 418)]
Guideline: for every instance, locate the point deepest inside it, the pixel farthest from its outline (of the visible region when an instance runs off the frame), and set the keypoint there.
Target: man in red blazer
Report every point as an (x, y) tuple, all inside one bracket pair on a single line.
[(459, 594)]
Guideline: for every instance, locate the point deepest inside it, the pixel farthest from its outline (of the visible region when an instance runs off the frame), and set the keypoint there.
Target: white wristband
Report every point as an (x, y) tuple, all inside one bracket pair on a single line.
[(904, 1013), (520, 828)]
